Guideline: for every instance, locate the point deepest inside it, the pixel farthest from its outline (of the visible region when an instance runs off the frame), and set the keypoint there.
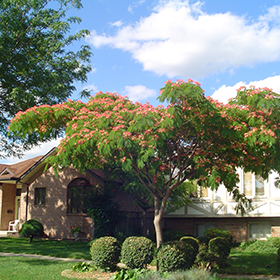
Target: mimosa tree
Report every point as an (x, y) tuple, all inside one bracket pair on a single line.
[(193, 138)]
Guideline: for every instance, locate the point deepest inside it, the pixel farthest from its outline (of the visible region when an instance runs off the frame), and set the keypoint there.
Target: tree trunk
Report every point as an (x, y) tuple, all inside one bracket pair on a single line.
[(157, 223)]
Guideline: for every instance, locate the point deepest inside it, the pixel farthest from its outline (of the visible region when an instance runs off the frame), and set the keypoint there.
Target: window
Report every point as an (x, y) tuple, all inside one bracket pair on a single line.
[(200, 192), (200, 228), (253, 185), (40, 196), (259, 230), (75, 196)]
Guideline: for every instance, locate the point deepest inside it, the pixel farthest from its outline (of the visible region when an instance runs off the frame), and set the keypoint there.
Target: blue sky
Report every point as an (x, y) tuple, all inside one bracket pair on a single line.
[(138, 45)]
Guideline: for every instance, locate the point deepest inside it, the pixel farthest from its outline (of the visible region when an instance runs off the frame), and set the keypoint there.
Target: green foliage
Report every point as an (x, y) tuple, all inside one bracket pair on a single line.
[(278, 258), (218, 232), (203, 258), (83, 267), (137, 252), (191, 274), (99, 205), (191, 241), (173, 255), (165, 147), (129, 274), (168, 235), (203, 240), (264, 246), (219, 247), (274, 241), (105, 253), (32, 228), (213, 253), (193, 247), (36, 65), (172, 235), (243, 245)]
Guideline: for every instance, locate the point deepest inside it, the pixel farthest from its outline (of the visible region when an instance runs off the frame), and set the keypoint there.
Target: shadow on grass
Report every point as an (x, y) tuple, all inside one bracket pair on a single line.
[(251, 263), (54, 248)]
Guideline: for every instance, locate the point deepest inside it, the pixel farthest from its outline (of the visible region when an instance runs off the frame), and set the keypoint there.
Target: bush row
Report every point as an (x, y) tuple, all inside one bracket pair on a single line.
[(138, 252), (135, 252)]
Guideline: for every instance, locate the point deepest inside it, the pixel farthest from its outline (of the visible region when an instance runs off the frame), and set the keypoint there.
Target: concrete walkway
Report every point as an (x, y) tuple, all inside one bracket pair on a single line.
[(263, 277)]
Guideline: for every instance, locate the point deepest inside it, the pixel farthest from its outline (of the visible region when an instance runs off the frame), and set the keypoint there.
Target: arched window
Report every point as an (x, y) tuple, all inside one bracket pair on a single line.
[(76, 194)]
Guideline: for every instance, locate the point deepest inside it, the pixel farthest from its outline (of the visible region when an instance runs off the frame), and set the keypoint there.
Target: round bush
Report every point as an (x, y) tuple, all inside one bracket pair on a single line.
[(218, 232), (192, 245), (137, 252), (32, 228), (278, 258), (172, 256), (220, 248), (191, 241), (105, 252)]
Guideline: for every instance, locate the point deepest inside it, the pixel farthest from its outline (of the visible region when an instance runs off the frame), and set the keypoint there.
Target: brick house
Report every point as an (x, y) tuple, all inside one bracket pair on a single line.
[(210, 209), (26, 192)]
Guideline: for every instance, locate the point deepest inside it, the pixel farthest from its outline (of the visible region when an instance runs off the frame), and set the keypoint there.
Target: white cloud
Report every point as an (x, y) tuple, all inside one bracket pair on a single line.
[(42, 149), (224, 93), (134, 5), (118, 23), (180, 39), (92, 88), (139, 92)]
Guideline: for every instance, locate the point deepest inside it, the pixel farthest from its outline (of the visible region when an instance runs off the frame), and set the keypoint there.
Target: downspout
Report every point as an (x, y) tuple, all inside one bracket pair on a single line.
[(26, 204)]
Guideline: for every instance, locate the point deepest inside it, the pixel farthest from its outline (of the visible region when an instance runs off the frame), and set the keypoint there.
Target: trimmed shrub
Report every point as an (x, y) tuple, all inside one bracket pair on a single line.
[(203, 241), (218, 232), (32, 228), (105, 253), (278, 258), (173, 255), (191, 241), (202, 259), (193, 247), (137, 252), (220, 248)]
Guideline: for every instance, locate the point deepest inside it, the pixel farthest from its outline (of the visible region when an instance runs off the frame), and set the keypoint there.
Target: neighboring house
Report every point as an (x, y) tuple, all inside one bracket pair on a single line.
[(26, 192), (216, 209)]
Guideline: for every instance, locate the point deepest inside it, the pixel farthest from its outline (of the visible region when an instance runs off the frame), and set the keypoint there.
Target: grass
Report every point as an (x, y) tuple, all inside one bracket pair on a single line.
[(251, 263), (240, 261), (21, 268), (54, 248)]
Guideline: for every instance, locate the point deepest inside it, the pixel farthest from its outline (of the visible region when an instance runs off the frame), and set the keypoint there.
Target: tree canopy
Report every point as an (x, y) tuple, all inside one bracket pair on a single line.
[(193, 138), (36, 63)]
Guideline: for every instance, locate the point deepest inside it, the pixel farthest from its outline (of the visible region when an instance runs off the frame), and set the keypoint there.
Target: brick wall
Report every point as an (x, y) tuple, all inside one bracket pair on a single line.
[(275, 231), (53, 215), (237, 226)]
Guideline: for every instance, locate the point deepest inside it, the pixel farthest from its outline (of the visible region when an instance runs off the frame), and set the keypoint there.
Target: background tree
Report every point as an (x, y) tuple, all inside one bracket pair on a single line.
[(194, 138), (36, 65)]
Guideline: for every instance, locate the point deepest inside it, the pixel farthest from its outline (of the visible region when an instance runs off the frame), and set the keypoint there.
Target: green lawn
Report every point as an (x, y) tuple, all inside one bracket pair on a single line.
[(21, 268), (55, 248), (258, 263), (241, 262)]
